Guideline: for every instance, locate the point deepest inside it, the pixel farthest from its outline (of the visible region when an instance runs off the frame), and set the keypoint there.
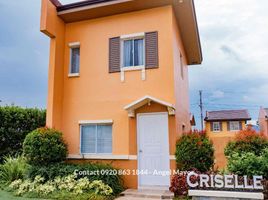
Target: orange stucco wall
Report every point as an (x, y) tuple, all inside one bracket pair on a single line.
[(180, 81), (54, 27), (220, 140), (131, 181), (98, 95)]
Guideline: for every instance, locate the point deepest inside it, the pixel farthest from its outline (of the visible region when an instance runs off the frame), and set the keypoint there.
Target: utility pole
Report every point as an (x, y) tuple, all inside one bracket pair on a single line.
[(201, 109)]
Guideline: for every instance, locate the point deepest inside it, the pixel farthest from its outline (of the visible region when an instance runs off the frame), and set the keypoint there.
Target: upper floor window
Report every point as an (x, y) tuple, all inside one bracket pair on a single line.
[(234, 126), (133, 51), (136, 51), (74, 59), (181, 66), (96, 138), (216, 126)]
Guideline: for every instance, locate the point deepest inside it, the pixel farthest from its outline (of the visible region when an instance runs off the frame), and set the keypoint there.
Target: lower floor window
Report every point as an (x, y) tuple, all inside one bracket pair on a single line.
[(96, 138)]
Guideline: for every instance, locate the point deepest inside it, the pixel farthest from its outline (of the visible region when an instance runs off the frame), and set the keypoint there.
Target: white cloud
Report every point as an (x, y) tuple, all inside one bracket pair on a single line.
[(235, 49), (218, 94)]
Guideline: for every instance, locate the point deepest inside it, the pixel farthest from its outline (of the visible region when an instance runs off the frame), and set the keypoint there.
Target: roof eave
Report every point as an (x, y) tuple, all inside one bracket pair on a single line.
[(183, 10), (236, 119)]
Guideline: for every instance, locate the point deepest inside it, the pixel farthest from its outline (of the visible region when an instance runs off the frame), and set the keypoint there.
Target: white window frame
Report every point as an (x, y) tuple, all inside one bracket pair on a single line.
[(72, 46), (94, 122), (131, 37), (231, 126), (213, 128)]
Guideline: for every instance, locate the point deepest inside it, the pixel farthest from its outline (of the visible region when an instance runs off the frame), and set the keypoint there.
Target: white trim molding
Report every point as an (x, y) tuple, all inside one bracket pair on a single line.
[(106, 121), (123, 69), (74, 44), (102, 157), (172, 157), (70, 75), (132, 36), (147, 100), (226, 194), (92, 6)]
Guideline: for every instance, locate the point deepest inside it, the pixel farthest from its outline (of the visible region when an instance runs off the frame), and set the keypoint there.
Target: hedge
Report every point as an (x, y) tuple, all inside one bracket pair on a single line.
[(44, 146), (15, 124)]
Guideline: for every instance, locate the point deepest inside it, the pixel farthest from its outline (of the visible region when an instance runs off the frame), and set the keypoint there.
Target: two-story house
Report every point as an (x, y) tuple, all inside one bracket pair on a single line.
[(221, 127), (263, 120), (118, 81)]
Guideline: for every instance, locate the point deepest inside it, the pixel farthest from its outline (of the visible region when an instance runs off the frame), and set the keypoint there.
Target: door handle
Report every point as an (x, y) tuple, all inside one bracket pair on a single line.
[(140, 151)]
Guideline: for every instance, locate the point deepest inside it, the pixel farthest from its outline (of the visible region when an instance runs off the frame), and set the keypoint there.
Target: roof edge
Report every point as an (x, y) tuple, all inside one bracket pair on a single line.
[(198, 35), (235, 119), (80, 4), (56, 3)]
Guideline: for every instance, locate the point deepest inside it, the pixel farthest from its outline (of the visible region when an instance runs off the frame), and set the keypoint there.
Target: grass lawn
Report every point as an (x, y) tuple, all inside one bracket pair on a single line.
[(8, 196)]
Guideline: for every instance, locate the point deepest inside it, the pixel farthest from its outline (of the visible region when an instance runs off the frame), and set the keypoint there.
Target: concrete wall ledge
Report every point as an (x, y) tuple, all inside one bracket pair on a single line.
[(224, 195)]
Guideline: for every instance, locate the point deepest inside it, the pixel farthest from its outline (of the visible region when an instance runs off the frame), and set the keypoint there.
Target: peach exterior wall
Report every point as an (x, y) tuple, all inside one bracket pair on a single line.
[(263, 122), (181, 84), (98, 95), (220, 140), (54, 27)]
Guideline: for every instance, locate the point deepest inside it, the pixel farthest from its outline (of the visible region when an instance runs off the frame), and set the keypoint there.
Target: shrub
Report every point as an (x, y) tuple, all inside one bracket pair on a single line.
[(15, 124), (67, 185), (12, 169), (50, 172), (248, 154), (194, 150), (247, 141), (44, 146), (249, 164), (179, 184)]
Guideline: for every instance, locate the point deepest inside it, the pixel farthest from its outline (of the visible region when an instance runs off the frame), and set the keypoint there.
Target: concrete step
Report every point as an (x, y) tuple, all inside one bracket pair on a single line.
[(147, 194), (134, 198)]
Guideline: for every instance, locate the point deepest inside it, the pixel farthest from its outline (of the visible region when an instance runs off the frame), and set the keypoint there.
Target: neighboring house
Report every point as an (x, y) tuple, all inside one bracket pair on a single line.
[(118, 80), (221, 127), (253, 124), (192, 121), (263, 120)]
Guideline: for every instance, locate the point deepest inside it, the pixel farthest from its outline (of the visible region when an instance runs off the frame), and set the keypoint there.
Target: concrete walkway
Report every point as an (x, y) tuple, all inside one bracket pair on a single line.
[(147, 194)]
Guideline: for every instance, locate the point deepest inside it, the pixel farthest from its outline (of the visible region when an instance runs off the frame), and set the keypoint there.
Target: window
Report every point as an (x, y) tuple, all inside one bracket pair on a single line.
[(234, 126), (133, 52), (181, 66), (96, 138), (75, 60), (216, 126)]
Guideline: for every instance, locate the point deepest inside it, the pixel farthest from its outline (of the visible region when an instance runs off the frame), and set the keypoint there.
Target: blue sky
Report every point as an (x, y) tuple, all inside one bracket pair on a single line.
[(234, 43)]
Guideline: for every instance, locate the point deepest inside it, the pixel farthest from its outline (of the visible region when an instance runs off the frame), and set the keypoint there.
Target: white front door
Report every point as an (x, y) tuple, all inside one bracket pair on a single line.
[(153, 149)]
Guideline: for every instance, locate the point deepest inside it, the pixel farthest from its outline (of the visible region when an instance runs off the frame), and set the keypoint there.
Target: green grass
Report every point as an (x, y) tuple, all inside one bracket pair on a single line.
[(9, 196)]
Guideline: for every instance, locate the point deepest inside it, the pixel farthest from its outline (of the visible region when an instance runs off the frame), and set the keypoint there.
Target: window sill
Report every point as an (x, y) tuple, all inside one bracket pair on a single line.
[(73, 75), (134, 68), (103, 157), (107, 121)]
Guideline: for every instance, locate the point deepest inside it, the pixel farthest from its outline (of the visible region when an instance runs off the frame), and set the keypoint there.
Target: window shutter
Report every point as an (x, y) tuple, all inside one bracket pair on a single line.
[(240, 125), (151, 50), (228, 126), (114, 55), (220, 126), (211, 126)]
